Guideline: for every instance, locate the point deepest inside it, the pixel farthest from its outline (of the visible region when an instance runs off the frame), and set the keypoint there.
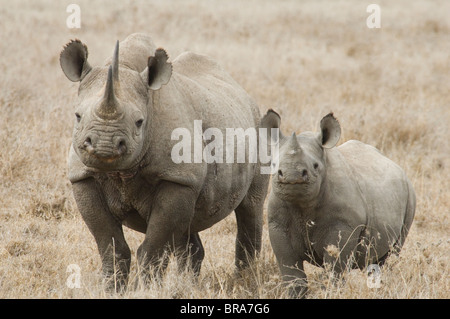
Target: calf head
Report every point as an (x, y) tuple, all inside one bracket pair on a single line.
[(301, 160), (112, 108)]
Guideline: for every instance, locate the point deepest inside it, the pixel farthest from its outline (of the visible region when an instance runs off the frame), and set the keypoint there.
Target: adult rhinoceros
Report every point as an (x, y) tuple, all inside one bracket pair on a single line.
[(120, 161), (345, 206)]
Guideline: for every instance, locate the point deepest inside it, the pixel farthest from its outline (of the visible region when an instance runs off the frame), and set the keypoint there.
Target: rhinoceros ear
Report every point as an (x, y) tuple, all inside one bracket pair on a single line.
[(330, 131), (73, 60), (272, 120), (158, 71)]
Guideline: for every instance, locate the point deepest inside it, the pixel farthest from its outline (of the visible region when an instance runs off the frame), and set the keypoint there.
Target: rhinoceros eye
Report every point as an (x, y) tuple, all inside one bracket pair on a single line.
[(316, 165), (78, 116), (139, 123)]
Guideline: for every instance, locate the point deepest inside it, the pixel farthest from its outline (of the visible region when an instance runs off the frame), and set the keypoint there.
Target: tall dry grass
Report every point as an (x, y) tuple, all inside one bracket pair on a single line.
[(388, 87)]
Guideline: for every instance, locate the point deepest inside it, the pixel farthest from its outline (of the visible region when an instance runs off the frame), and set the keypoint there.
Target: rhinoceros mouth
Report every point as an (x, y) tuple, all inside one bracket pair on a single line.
[(104, 156), (108, 160), (292, 182), (305, 179)]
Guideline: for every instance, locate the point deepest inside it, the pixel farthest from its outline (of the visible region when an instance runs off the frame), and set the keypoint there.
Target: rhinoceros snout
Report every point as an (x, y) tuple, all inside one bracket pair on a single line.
[(107, 151), (297, 177)]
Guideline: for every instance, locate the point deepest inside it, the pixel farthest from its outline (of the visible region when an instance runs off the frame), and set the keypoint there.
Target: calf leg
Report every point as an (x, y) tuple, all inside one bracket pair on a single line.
[(407, 221), (289, 261), (340, 246)]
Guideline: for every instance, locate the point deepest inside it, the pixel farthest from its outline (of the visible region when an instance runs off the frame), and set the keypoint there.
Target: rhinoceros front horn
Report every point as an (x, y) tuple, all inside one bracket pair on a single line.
[(108, 108), (115, 62)]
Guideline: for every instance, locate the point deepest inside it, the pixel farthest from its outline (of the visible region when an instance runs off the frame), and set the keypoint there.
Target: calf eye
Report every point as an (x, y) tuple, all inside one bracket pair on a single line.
[(316, 165), (78, 116), (139, 123)]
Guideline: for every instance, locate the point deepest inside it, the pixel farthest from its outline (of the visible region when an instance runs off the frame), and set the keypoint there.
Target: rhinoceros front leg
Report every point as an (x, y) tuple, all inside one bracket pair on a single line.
[(169, 220), (107, 231), (190, 253)]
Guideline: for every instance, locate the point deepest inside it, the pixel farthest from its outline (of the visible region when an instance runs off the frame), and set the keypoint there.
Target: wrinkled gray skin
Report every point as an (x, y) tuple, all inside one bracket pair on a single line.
[(351, 197), (120, 161)]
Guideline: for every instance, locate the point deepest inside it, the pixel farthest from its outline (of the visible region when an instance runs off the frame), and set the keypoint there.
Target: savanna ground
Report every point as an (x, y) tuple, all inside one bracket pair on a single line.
[(388, 87)]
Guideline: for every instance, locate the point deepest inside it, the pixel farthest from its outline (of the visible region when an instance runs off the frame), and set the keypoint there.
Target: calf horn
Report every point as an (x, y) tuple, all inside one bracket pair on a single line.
[(293, 145)]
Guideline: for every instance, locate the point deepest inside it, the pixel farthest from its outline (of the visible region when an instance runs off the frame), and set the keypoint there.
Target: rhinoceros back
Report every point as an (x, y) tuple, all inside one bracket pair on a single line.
[(223, 102)]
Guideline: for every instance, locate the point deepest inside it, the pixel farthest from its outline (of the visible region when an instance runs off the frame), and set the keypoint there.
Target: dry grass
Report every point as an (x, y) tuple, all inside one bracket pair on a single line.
[(388, 87)]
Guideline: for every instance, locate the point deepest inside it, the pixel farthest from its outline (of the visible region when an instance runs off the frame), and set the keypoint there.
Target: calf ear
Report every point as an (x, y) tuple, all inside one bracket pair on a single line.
[(330, 131), (73, 60), (271, 120), (158, 71)]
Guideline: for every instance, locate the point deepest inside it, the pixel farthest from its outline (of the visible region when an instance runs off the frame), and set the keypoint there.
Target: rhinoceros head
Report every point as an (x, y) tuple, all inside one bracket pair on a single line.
[(301, 160), (112, 113)]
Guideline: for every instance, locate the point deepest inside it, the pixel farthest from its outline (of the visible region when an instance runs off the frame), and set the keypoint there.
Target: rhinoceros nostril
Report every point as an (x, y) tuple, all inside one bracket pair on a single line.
[(280, 173), (121, 146), (305, 175), (88, 145), (88, 141)]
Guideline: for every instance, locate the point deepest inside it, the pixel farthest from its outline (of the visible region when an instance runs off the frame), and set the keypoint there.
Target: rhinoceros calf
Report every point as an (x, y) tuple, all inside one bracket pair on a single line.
[(120, 161), (348, 206)]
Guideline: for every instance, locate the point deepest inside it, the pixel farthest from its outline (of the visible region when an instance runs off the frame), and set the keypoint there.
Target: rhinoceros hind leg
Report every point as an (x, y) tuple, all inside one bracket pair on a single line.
[(249, 217)]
